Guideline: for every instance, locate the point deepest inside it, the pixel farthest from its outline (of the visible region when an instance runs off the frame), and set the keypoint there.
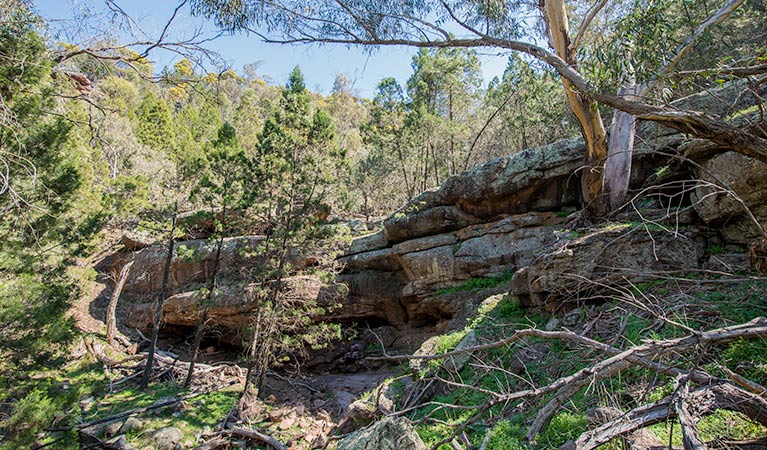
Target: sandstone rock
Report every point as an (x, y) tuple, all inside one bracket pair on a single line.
[(111, 429), (457, 362), (398, 284), (360, 413), (747, 178), (132, 424), (418, 223), (119, 443), (537, 179), (429, 347), (192, 263), (369, 242), (454, 363), (581, 264), (391, 433), (727, 262), (382, 260), (372, 295), (134, 240), (167, 438), (232, 306)]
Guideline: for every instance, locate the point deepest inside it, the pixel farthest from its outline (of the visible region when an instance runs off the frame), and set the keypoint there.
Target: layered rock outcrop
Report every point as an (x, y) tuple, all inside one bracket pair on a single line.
[(539, 179), (396, 284), (507, 216)]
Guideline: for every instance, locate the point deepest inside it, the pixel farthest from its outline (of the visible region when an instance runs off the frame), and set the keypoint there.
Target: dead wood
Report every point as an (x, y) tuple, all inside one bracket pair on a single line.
[(690, 435), (645, 355), (751, 444), (213, 443), (745, 383), (111, 318), (257, 435), (700, 401)]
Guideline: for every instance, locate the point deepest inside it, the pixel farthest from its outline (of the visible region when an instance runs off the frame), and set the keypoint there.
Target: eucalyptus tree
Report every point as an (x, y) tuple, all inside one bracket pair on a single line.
[(645, 44), (444, 89)]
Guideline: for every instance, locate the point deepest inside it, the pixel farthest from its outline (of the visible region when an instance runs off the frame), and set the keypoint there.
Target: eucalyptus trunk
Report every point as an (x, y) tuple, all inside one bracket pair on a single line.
[(585, 109)]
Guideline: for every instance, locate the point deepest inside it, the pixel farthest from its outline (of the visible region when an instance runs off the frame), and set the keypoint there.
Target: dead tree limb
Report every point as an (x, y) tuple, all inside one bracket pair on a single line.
[(645, 355), (706, 399), (254, 434), (745, 383), (690, 435), (111, 318)]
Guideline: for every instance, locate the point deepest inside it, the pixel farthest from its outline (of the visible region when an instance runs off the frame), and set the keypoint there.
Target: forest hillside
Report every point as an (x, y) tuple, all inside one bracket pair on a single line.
[(568, 256)]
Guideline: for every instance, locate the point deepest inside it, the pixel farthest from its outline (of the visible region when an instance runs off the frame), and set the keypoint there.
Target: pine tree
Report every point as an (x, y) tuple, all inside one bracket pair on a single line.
[(297, 161)]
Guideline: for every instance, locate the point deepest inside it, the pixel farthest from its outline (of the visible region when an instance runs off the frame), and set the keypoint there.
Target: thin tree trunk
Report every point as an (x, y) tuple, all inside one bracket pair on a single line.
[(585, 108), (261, 352), (209, 297), (196, 345), (160, 303), (111, 318), (617, 173)]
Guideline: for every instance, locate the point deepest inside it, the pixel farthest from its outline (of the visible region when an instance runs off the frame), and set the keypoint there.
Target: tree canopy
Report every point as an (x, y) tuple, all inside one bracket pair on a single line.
[(638, 41)]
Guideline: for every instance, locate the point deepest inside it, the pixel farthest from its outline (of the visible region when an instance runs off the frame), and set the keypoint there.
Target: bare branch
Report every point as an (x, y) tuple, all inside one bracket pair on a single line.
[(592, 12)]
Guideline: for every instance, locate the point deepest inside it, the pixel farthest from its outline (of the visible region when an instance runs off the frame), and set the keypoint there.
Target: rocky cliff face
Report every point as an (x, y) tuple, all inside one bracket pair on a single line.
[(506, 217)]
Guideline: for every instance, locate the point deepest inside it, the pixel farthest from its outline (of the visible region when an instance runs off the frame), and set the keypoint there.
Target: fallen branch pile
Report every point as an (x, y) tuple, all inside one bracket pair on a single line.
[(688, 403), (166, 366)]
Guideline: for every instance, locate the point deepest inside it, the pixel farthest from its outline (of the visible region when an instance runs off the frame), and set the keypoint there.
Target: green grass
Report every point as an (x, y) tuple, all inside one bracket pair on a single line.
[(507, 424), (478, 283), (722, 424), (205, 411), (715, 249)]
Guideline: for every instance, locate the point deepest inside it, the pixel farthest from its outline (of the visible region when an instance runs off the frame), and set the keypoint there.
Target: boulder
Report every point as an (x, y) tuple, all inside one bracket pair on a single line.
[(167, 438), (391, 433), (588, 264), (746, 178), (368, 242), (360, 413)]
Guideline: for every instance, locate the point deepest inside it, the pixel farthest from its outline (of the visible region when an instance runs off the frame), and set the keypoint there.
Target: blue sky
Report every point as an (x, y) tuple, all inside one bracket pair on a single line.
[(320, 64)]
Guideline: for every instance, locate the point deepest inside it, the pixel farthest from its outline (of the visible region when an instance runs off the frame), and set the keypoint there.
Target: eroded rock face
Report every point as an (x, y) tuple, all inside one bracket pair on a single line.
[(503, 217), (192, 263), (232, 308), (588, 265), (747, 178), (397, 284), (539, 179)]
